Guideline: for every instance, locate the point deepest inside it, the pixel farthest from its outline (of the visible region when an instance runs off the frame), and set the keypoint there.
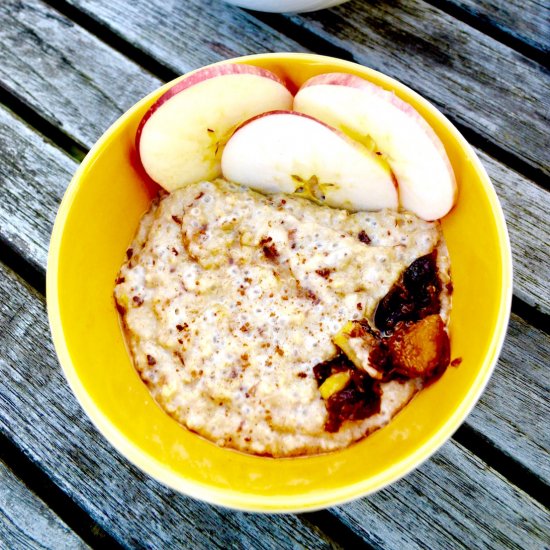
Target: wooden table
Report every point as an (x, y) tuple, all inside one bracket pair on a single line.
[(69, 68)]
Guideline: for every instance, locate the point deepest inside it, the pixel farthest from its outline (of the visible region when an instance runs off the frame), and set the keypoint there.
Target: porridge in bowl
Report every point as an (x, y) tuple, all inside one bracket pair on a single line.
[(231, 299), (299, 309)]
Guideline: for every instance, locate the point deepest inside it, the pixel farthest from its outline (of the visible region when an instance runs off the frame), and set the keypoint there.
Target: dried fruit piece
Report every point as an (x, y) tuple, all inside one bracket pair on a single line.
[(358, 341), (414, 296), (359, 398), (323, 370), (421, 350)]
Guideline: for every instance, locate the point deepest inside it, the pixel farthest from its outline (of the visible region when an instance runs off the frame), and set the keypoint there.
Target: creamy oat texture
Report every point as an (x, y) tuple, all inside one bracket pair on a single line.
[(230, 298)]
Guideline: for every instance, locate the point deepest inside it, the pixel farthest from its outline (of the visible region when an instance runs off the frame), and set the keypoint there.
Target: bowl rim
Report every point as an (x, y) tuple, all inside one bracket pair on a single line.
[(291, 6), (265, 503)]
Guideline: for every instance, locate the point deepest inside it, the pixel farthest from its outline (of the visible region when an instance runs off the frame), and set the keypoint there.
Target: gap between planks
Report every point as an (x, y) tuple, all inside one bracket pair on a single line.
[(37, 482), (531, 49), (115, 41), (51, 132), (510, 469)]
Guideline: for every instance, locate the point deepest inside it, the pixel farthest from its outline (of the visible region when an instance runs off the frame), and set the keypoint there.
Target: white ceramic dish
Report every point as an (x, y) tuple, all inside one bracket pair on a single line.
[(286, 6)]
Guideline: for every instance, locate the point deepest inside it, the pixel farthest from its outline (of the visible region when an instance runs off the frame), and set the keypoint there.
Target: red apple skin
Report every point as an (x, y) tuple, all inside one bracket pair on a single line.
[(198, 77)]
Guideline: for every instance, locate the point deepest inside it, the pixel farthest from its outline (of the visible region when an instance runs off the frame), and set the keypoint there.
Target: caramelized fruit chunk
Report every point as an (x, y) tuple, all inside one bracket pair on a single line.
[(360, 343), (359, 398), (323, 370), (420, 350), (415, 295)]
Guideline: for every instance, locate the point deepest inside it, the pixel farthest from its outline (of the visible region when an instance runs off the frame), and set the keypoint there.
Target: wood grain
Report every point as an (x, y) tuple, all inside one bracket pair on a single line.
[(33, 177), (26, 522), (26, 218), (478, 82), (37, 409), (70, 78), (460, 503), (526, 208), (37, 39), (517, 396), (189, 34), (132, 507), (526, 20)]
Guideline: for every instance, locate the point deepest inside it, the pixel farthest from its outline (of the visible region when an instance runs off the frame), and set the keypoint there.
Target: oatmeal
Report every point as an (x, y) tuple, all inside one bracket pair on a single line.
[(230, 300)]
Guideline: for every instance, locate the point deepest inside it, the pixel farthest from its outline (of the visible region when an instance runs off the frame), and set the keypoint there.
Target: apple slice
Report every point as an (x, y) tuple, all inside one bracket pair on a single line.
[(181, 137), (380, 119), (288, 152)]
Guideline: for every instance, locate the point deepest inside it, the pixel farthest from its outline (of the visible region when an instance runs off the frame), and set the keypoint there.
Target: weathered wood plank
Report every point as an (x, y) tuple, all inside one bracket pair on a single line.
[(26, 218), (74, 81), (187, 35), (525, 20), (526, 208), (26, 522), (37, 408), (517, 395), (460, 503), (38, 38), (442, 497), (33, 178), (477, 81)]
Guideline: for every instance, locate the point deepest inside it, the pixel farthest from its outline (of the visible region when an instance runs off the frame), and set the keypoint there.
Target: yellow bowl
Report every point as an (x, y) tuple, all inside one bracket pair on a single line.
[(96, 222)]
